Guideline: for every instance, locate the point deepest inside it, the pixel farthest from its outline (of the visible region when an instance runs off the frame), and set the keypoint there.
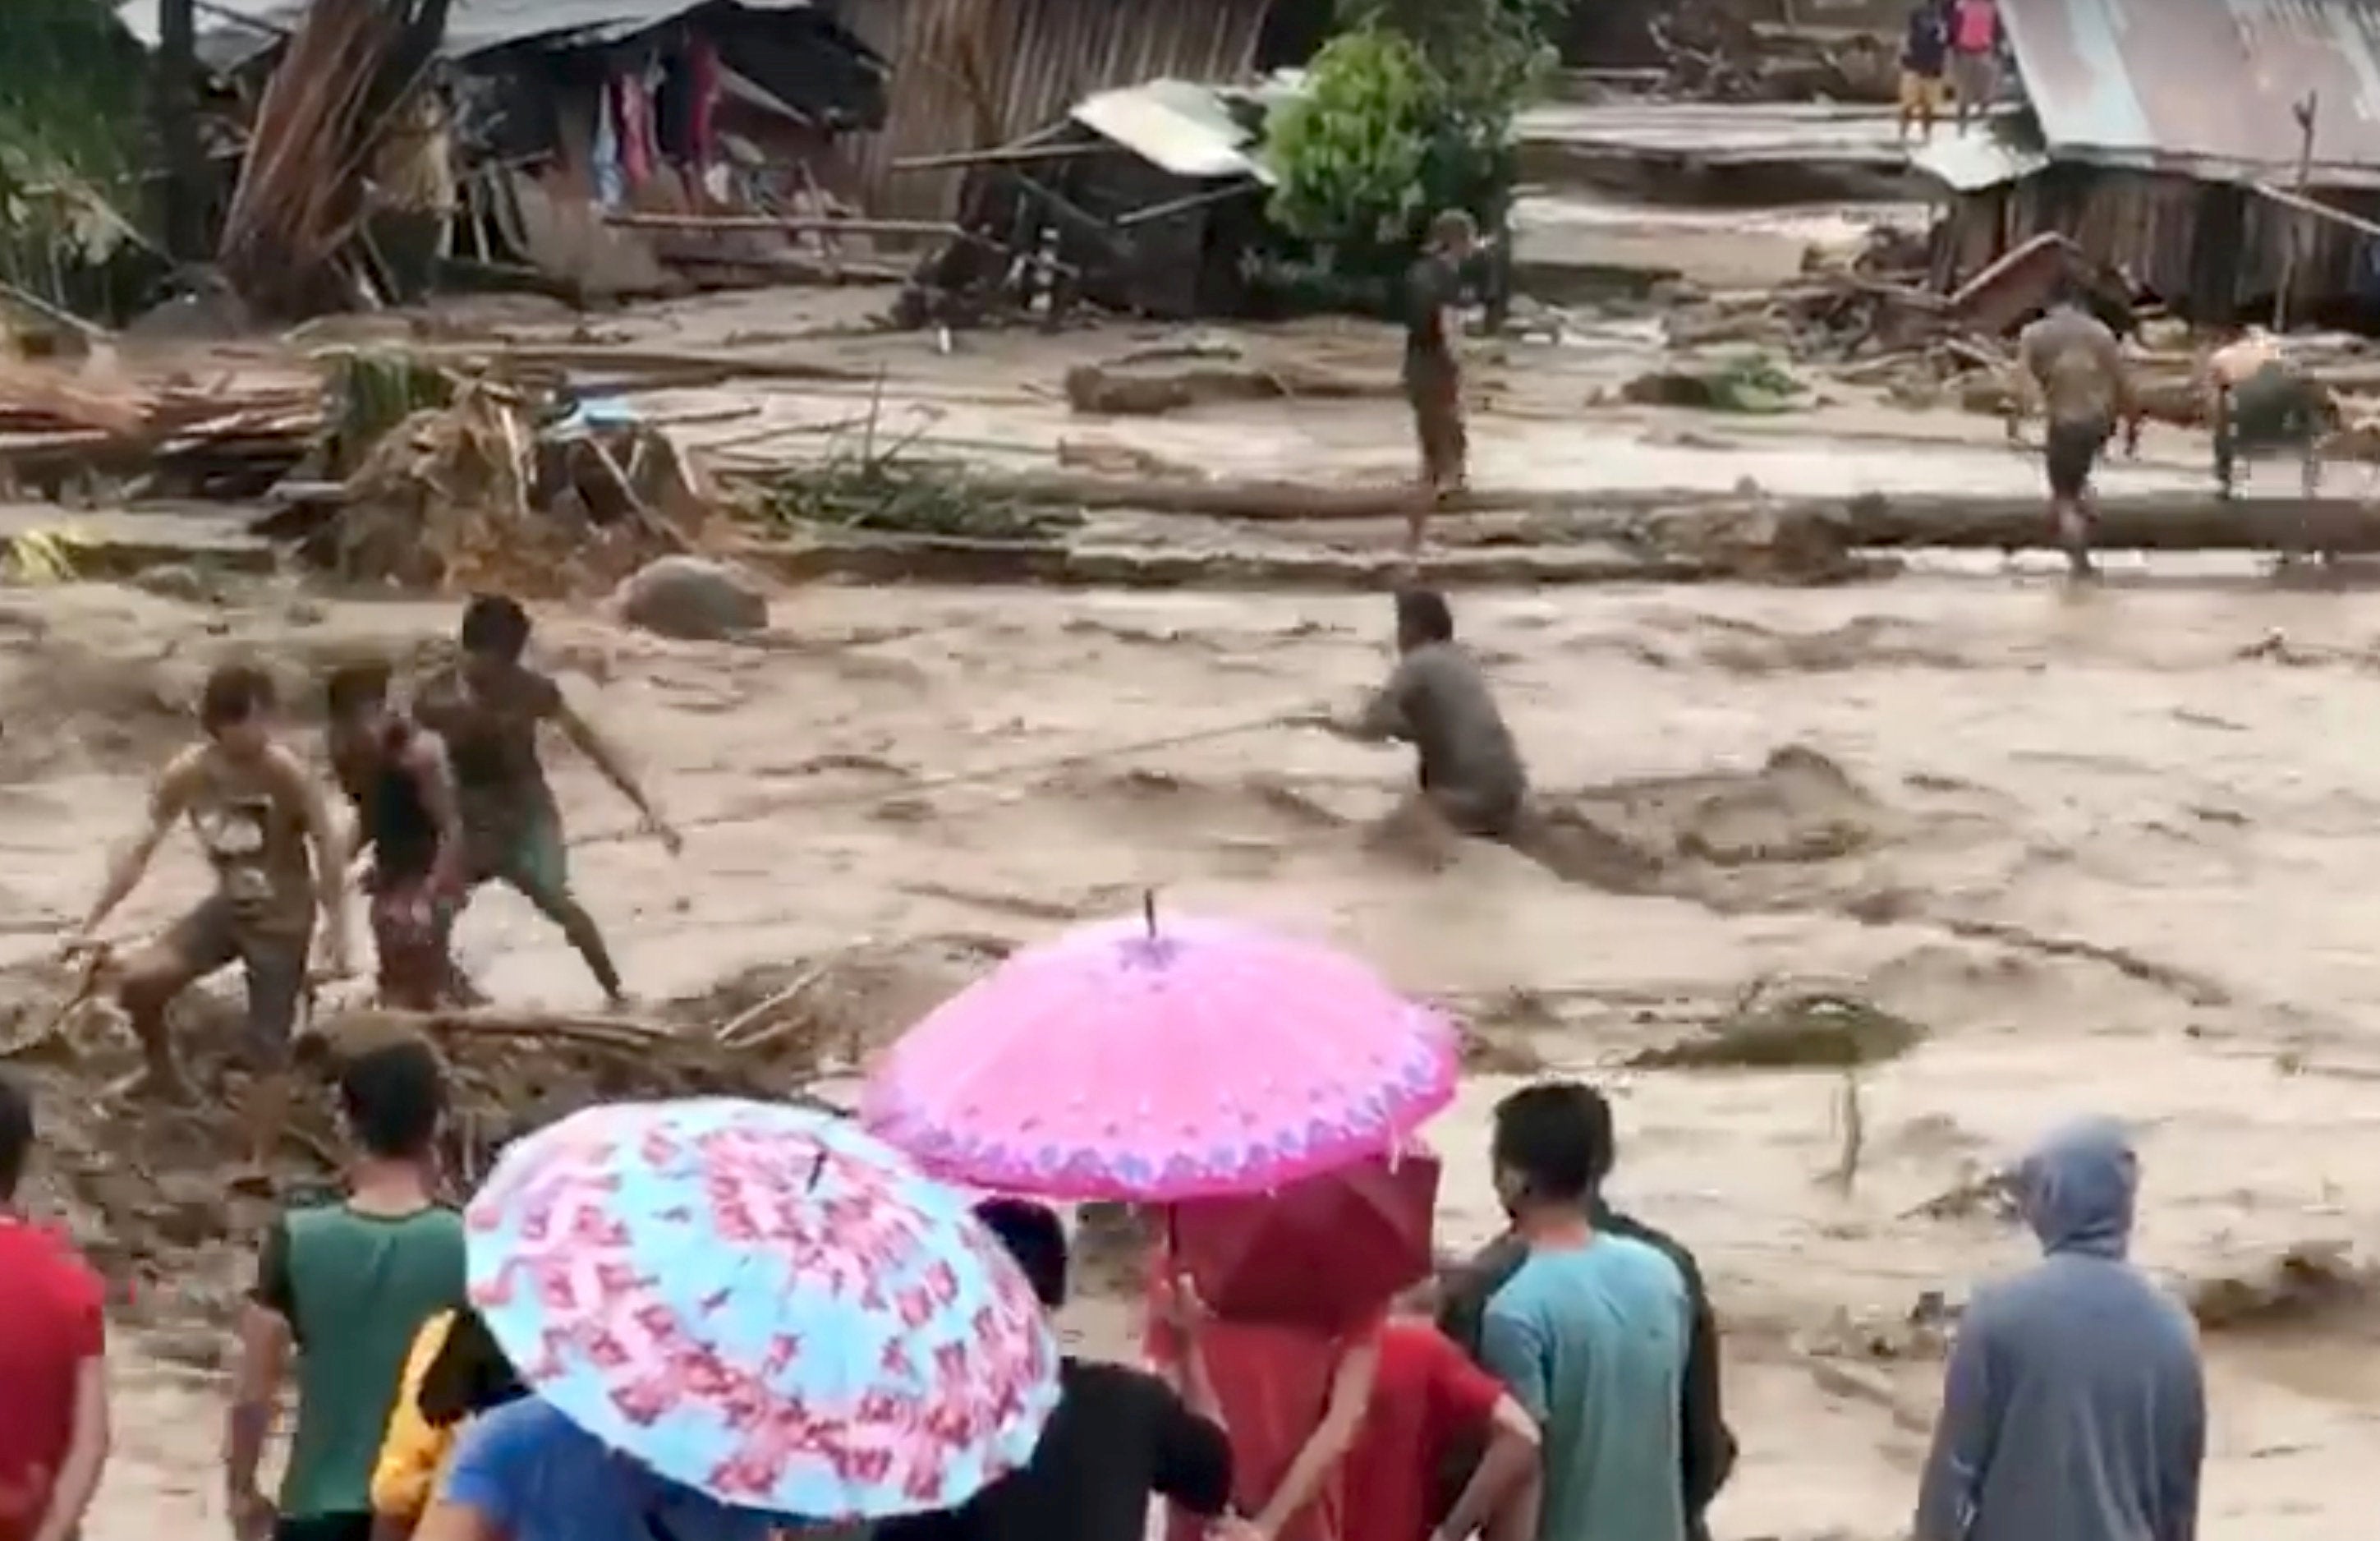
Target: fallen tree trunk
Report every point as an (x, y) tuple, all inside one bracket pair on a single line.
[(2159, 521), (2155, 522)]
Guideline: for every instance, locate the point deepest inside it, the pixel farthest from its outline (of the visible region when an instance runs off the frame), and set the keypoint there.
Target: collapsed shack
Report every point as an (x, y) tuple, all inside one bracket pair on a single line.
[(660, 149), (2237, 114), (1145, 198), (545, 132)]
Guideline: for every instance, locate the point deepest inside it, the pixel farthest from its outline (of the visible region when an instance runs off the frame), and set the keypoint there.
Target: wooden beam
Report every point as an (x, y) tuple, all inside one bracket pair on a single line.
[(787, 223)]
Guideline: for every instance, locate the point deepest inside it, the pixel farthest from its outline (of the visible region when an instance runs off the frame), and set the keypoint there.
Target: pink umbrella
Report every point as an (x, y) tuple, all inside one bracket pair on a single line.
[(1126, 1061)]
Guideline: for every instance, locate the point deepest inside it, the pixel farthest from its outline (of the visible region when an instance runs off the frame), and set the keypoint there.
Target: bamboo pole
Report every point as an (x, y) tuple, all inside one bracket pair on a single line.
[(2303, 112)]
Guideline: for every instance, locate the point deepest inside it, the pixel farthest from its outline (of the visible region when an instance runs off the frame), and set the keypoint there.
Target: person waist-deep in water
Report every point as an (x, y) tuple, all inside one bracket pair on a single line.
[(347, 1288), (1590, 1332), (1437, 699), (395, 774), (54, 1412), (1118, 1437), (489, 709), (2074, 1406), (1707, 1447), (256, 812)]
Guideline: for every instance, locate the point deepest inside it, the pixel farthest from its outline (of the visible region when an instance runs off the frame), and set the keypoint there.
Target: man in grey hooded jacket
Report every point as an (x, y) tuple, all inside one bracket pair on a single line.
[(2074, 1408)]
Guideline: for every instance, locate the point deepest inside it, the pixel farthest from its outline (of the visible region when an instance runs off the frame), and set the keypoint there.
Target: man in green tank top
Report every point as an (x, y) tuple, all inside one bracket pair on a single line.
[(346, 1286)]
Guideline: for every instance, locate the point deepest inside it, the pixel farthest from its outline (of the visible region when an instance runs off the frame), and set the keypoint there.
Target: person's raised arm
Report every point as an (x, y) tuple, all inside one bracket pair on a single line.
[(265, 1338), (86, 1455), (606, 758), (1343, 1419), (168, 800)]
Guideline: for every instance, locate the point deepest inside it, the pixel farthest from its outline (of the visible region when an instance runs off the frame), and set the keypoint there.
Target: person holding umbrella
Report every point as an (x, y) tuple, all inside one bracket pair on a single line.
[(1159, 1064), (731, 1317)]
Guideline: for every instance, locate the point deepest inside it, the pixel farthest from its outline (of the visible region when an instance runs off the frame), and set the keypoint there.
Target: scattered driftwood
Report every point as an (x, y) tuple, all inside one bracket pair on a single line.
[(631, 361)]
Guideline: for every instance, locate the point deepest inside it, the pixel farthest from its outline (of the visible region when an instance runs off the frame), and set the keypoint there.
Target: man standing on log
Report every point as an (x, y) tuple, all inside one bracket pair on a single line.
[(2070, 365), (488, 709), (1433, 374)]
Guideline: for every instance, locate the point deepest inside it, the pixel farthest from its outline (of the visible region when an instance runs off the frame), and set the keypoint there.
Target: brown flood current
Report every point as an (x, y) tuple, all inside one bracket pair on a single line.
[(2108, 852)]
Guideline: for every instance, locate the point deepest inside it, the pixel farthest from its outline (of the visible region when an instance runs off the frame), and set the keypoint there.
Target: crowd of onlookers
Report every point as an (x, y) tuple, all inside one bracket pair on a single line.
[(1562, 1385)]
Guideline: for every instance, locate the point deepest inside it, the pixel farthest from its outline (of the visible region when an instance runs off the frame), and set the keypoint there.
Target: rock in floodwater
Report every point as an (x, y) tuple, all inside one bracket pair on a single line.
[(693, 600)]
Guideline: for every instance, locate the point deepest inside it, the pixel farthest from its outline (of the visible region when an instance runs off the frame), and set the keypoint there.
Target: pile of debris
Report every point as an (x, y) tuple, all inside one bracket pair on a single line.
[(230, 436), (510, 484), (142, 1185)]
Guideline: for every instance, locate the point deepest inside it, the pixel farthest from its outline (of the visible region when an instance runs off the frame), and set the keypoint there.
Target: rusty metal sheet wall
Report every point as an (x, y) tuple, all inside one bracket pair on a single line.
[(2204, 87), (969, 73)]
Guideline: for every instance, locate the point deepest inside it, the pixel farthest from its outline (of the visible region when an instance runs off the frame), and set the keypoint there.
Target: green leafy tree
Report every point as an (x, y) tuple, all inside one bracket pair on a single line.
[(1350, 151), (70, 130), (1409, 111)]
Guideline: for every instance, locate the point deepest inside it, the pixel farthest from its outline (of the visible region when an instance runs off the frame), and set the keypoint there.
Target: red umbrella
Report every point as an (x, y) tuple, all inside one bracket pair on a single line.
[(1327, 1252)]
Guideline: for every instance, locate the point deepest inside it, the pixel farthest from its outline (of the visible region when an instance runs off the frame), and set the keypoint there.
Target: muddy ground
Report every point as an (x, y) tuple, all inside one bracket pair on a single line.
[(2108, 852)]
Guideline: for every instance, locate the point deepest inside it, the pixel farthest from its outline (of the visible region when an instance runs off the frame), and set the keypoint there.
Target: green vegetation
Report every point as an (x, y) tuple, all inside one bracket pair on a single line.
[(1407, 111), (71, 121), (901, 494)]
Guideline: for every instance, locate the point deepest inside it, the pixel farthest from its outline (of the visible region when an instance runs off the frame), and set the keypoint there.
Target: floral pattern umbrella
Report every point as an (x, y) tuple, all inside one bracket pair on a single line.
[(763, 1304), (1138, 1061)]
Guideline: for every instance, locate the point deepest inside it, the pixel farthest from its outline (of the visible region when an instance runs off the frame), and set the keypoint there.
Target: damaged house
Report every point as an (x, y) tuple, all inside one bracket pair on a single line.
[(597, 143), (2173, 139)]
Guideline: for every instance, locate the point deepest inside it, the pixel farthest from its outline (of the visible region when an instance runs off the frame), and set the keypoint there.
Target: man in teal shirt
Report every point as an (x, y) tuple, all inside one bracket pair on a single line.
[(1590, 1333)]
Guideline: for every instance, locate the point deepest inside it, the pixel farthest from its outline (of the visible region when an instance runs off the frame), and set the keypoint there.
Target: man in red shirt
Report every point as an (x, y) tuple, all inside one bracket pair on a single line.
[(1429, 1400), (53, 1360)]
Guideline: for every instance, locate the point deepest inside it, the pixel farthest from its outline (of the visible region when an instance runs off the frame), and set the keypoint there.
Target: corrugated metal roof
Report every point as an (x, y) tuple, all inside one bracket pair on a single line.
[(473, 27), (1177, 126), (2204, 87), (1970, 162)]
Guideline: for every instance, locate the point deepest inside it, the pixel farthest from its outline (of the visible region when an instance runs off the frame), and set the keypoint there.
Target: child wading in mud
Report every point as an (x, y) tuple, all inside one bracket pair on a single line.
[(488, 710), (255, 811)]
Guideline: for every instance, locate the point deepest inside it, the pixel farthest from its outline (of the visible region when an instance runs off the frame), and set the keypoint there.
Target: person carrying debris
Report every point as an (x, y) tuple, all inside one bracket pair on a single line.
[(1433, 374), (408, 816), (256, 812), (2258, 399), (1437, 700), (487, 709), (2071, 366), (1925, 56)]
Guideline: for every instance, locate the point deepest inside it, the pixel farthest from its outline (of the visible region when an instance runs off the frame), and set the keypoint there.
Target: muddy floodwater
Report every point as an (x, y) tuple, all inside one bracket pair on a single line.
[(2112, 852)]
